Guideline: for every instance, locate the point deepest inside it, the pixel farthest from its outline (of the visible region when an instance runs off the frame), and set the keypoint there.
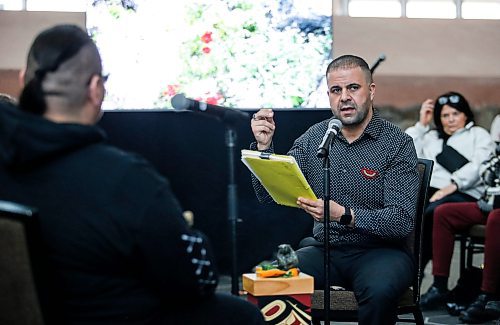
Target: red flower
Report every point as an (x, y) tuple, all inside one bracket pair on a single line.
[(171, 90), (207, 37), (206, 50), (212, 100)]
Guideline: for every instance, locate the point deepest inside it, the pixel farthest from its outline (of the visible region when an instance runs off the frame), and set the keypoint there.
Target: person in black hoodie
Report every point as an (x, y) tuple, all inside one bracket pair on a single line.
[(114, 232)]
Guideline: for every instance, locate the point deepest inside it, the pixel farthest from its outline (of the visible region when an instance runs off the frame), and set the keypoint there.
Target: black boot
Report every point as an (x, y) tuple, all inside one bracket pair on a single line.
[(434, 298), (476, 312)]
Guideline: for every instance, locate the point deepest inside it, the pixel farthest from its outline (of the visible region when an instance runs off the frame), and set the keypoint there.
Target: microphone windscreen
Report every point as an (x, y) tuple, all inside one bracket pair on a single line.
[(335, 123), (179, 101)]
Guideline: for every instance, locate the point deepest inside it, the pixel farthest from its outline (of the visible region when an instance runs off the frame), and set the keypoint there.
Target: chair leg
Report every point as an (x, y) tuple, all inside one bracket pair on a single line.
[(470, 253), (463, 247), (417, 315)]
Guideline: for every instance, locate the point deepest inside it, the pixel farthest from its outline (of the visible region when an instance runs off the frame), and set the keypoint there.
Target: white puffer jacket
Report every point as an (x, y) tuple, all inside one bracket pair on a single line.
[(473, 142)]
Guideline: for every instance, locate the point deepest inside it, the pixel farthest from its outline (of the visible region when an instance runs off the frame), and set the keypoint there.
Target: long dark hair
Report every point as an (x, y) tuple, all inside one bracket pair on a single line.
[(49, 50)]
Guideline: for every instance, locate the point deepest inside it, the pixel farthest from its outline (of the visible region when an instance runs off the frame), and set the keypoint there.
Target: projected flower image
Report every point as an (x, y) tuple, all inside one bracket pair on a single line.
[(234, 53), (252, 54)]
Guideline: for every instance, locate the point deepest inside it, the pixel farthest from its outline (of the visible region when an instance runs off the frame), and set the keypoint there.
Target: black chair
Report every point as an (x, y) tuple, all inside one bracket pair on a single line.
[(471, 242), (343, 304), (19, 300)]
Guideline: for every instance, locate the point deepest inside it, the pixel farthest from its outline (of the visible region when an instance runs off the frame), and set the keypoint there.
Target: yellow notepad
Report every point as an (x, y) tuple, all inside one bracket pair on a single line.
[(280, 175)]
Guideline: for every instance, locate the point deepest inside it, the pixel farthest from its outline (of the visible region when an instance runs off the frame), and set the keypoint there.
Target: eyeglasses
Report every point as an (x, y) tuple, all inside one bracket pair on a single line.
[(454, 99), (104, 77)]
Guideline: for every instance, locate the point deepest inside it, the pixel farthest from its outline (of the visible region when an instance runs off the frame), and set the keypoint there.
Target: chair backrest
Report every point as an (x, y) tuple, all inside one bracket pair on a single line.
[(19, 303), (424, 171)]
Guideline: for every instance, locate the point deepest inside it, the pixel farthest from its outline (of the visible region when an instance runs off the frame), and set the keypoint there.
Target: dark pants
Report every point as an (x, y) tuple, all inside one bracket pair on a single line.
[(450, 219), (378, 277), (220, 309), (429, 217)]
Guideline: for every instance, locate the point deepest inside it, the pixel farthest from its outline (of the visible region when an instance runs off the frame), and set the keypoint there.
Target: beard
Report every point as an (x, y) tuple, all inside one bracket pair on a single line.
[(358, 115)]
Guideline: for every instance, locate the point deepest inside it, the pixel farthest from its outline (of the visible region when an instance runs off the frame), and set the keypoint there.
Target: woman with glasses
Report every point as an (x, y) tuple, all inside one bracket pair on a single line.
[(457, 147)]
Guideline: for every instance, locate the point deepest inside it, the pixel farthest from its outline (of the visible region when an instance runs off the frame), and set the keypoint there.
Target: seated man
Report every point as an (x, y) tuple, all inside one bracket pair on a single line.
[(374, 187), (115, 236)]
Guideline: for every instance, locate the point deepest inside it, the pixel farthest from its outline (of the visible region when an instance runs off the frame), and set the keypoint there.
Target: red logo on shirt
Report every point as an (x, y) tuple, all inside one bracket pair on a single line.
[(369, 173)]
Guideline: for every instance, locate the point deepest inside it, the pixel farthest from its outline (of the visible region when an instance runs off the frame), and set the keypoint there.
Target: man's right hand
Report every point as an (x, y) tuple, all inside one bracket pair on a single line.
[(263, 128), (426, 112)]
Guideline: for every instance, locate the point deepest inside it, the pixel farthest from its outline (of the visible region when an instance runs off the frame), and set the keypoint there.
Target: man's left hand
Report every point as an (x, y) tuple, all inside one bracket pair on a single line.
[(316, 207)]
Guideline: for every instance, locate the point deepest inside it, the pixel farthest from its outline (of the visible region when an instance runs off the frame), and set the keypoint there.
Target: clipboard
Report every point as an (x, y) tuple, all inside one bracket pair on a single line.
[(280, 175)]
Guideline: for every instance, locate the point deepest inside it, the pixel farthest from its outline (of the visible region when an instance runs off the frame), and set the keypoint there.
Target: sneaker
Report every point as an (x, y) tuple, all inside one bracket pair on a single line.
[(434, 298), (476, 312)]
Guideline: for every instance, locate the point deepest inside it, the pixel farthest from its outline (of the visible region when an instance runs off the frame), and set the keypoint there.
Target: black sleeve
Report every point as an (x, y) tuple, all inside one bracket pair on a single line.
[(176, 260)]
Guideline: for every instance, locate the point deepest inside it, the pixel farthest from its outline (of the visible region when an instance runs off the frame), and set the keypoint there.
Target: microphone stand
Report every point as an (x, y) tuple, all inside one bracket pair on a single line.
[(230, 118), (232, 205), (326, 236), (323, 153)]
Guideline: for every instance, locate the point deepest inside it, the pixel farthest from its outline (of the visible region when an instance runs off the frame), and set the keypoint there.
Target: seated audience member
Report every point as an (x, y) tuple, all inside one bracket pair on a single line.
[(120, 249), (374, 182), (495, 129), (453, 218), (457, 147)]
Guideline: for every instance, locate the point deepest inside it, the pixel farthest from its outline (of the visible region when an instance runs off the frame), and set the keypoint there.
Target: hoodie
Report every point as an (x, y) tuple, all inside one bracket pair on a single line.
[(113, 229)]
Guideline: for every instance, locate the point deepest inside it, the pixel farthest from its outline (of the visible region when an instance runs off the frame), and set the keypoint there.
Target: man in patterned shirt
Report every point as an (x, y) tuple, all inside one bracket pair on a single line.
[(374, 185)]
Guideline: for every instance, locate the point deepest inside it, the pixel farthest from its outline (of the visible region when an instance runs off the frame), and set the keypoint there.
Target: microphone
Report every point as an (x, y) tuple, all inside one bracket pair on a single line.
[(380, 59), (181, 102), (334, 127)]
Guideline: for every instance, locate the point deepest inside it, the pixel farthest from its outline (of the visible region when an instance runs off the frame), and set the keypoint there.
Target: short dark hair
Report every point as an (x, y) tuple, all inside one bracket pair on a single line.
[(50, 49), (455, 100), (349, 62)]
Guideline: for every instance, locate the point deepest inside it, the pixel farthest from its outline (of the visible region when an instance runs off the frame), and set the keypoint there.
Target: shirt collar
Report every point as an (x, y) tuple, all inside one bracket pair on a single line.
[(374, 127)]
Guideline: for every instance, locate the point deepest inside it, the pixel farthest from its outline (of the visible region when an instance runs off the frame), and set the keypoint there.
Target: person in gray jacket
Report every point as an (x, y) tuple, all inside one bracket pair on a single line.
[(458, 147)]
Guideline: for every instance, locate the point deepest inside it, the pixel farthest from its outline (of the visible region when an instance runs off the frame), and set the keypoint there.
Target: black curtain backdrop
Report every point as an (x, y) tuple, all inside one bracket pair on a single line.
[(189, 149)]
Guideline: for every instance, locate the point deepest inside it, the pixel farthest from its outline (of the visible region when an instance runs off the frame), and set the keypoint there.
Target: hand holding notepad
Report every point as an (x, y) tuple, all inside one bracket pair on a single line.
[(279, 175)]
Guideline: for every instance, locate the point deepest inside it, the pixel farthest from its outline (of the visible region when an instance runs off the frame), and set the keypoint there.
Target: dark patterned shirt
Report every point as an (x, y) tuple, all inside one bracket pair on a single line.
[(376, 176)]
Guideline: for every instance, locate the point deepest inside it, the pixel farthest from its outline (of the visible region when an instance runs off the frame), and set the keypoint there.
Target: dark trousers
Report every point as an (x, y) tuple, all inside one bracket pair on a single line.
[(221, 309), (450, 219), (378, 277), (429, 217)]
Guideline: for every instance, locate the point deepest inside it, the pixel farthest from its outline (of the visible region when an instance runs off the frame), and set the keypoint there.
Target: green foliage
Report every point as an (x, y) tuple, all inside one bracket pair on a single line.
[(238, 54)]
